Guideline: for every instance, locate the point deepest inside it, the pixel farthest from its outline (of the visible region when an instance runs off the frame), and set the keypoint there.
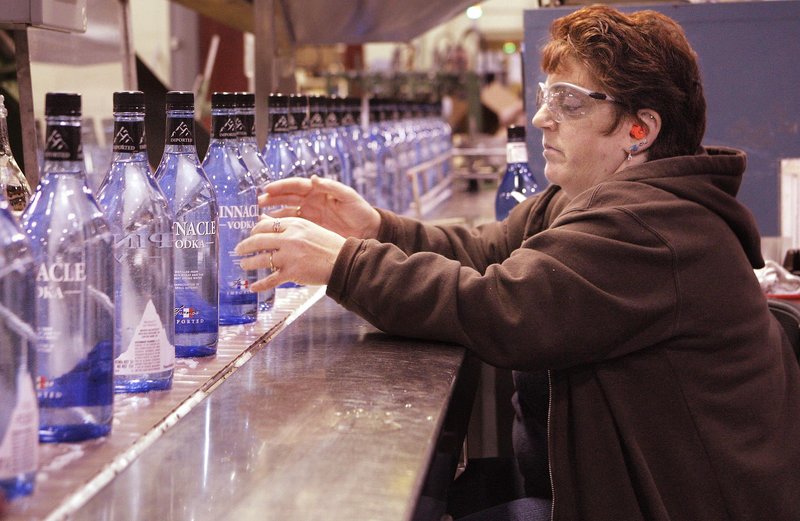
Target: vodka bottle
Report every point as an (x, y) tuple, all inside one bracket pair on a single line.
[(19, 415), (334, 107), (518, 182), (144, 293), (300, 137), (238, 211), (193, 205), (329, 160), (14, 186), (279, 153), (72, 245), (348, 138), (258, 170)]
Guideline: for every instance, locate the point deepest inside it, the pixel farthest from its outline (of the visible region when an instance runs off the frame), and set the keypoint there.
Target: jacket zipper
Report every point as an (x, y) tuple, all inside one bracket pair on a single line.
[(549, 445)]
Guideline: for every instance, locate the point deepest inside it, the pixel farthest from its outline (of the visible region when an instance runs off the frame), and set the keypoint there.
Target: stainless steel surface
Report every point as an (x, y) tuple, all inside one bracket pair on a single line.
[(330, 419)]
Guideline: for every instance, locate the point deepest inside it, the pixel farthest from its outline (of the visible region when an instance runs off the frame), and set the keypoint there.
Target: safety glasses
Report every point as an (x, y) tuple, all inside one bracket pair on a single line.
[(567, 101)]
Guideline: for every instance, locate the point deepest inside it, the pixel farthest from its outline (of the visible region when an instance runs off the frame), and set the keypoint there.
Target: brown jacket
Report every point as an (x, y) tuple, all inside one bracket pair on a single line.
[(673, 393)]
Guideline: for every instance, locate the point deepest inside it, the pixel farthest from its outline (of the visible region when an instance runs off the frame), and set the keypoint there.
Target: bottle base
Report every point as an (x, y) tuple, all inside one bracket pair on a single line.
[(141, 385), (18, 486), (194, 351), (235, 320), (77, 432)]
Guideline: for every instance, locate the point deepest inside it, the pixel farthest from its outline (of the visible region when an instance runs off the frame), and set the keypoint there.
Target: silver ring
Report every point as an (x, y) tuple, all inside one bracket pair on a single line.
[(271, 265), (276, 226), (298, 211)]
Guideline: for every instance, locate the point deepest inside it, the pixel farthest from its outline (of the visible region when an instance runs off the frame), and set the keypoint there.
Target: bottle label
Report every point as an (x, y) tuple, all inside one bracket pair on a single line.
[(56, 280), (196, 291), (225, 127), (348, 119), (63, 143), (281, 120), (129, 137), (149, 350), (19, 447), (516, 152), (332, 120), (235, 223), (316, 120), (88, 384), (180, 131), (248, 124)]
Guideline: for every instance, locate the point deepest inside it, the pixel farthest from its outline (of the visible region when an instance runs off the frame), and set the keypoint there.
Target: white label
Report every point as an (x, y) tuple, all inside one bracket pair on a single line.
[(150, 350), (19, 451), (516, 153)]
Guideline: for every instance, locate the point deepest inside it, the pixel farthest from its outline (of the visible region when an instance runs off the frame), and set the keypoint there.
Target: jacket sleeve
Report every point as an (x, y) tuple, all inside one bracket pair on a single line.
[(476, 247), (597, 284)]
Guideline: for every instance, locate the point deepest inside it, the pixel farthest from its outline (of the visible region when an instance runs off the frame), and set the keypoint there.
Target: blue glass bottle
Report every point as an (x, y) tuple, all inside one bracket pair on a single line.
[(72, 245), (238, 211), (300, 136), (278, 152), (144, 332), (258, 170), (518, 182), (332, 167), (19, 413), (193, 205)]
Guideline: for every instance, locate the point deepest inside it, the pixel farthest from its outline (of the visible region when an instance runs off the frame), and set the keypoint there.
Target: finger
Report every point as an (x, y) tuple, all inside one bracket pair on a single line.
[(257, 243), (273, 280), (266, 200), (284, 211), (258, 261)]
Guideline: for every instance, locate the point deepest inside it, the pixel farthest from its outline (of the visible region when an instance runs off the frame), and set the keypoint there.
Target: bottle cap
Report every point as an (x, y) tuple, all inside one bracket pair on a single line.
[(516, 133), (180, 100), (246, 100), (129, 101), (223, 100), (277, 100), (62, 104)]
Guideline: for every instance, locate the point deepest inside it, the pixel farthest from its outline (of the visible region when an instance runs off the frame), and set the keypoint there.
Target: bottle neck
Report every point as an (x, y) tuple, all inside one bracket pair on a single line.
[(63, 151), (180, 132), (516, 152), (130, 142)]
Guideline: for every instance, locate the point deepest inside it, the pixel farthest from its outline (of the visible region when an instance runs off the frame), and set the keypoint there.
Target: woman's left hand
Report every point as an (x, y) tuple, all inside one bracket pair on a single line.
[(295, 249)]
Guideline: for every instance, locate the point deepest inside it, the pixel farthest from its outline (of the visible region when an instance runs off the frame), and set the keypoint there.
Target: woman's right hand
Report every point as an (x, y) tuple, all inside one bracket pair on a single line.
[(328, 203)]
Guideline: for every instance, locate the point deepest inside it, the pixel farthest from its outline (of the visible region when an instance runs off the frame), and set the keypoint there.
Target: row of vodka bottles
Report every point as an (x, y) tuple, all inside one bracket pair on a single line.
[(333, 137), (100, 314), (403, 135)]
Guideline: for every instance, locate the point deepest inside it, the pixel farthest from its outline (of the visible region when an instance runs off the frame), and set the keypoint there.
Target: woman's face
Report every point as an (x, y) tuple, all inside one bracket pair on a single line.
[(577, 151)]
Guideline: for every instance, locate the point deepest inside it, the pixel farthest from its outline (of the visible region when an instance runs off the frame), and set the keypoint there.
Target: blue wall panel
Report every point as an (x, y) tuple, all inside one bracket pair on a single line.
[(750, 60)]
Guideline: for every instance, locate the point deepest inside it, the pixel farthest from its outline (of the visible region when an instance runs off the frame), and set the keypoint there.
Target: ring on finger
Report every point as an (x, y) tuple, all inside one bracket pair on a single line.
[(298, 212), (276, 226), (271, 264)]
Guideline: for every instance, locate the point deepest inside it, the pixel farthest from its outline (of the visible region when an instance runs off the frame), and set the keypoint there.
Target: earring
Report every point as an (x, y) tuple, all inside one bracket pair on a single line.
[(635, 148)]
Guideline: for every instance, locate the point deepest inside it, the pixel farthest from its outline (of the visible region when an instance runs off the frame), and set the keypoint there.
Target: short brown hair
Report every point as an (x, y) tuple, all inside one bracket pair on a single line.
[(643, 60)]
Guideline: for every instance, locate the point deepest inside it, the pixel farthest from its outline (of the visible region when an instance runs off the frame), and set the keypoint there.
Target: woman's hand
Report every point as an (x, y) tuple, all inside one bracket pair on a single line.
[(328, 203), (296, 250)]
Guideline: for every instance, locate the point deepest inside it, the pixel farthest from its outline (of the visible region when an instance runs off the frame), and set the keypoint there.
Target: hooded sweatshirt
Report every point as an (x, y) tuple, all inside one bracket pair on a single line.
[(673, 394)]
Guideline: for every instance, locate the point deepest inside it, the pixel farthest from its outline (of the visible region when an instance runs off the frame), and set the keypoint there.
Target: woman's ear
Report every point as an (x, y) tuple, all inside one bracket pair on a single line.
[(644, 130)]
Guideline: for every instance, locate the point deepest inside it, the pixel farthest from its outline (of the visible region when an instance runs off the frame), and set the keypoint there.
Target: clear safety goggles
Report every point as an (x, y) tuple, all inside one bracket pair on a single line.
[(567, 101)]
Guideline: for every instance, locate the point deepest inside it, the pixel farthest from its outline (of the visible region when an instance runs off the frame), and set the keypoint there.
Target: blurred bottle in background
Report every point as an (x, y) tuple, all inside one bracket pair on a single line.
[(15, 187), (518, 182)]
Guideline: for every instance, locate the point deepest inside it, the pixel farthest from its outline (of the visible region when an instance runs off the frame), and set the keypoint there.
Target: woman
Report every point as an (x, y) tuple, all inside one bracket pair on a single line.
[(673, 393)]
